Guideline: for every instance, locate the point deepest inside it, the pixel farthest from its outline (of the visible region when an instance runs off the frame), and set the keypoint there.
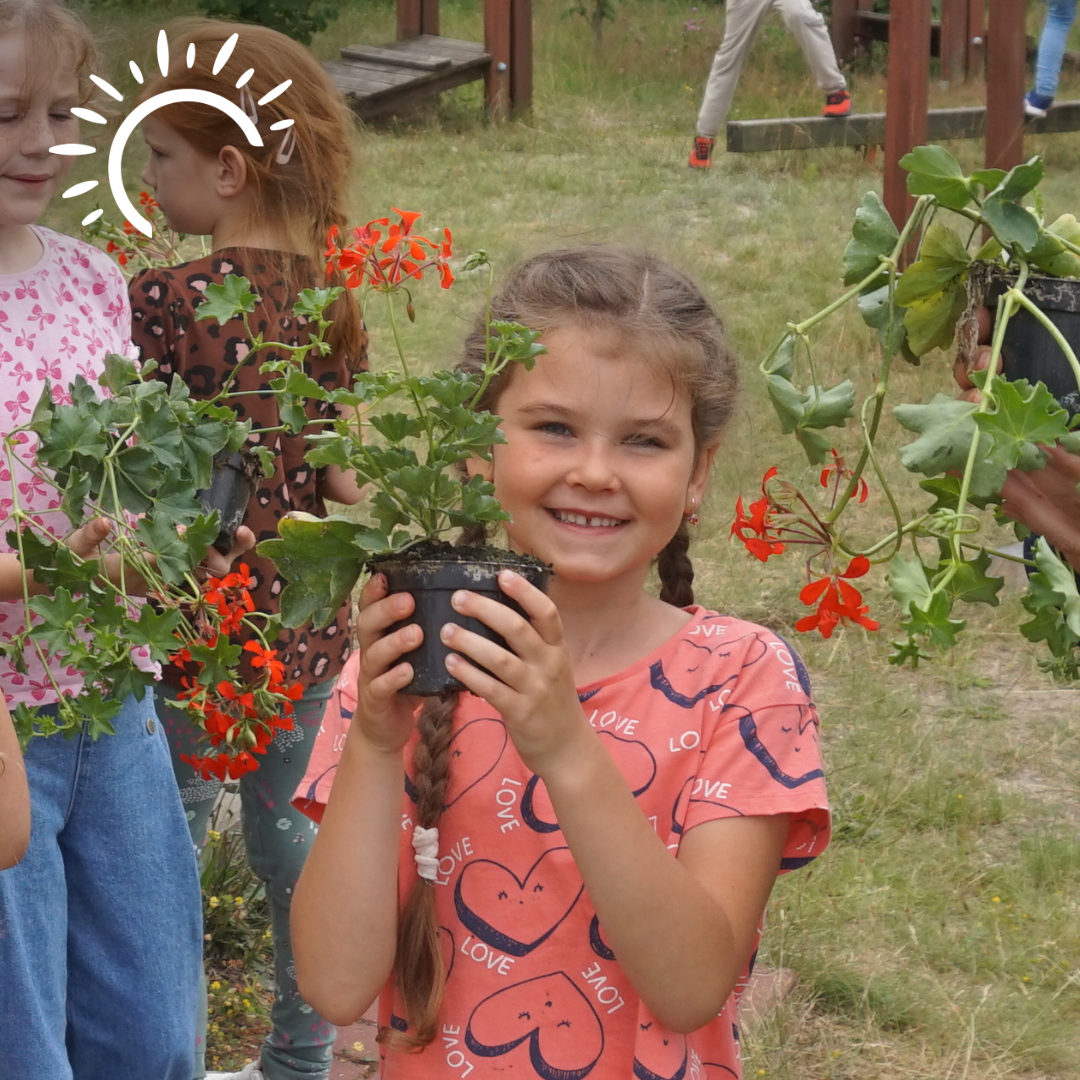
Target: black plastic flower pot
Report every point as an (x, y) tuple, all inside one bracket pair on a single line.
[(432, 578), (232, 485), (1028, 349)]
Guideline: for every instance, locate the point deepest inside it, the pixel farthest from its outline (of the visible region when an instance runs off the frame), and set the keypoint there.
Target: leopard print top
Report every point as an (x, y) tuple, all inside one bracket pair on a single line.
[(203, 354)]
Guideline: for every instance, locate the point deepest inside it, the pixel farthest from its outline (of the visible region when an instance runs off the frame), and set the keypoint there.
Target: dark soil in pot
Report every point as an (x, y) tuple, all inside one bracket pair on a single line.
[(1028, 349), (235, 477), (432, 573)]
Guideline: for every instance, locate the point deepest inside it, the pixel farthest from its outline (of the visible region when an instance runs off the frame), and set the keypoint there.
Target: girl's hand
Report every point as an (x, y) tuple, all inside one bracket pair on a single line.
[(531, 683), (383, 716), (1047, 501)]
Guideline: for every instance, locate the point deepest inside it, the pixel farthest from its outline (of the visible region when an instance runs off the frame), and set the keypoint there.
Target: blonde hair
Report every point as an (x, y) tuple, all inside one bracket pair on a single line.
[(54, 33), (661, 315), (300, 175)]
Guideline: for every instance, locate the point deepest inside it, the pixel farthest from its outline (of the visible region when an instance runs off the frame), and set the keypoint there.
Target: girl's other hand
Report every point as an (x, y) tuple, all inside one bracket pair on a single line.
[(86, 539), (383, 715), (219, 565), (531, 683), (1047, 501)]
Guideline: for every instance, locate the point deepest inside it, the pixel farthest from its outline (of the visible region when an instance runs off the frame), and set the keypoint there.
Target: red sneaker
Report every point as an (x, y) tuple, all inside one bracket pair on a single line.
[(701, 154), (838, 104)]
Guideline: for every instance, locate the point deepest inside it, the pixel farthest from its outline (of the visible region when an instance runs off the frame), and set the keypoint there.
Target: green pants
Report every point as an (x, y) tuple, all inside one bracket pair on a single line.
[(277, 837)]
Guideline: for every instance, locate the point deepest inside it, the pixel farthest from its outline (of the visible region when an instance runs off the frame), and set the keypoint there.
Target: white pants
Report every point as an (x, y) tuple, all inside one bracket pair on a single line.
[(743, 20)]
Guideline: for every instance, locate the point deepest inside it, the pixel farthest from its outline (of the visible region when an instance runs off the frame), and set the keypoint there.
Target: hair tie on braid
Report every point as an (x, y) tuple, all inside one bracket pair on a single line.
[(425, 844)]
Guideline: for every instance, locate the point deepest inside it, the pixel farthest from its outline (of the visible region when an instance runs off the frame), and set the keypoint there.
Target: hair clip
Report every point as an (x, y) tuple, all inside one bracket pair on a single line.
[(247, 103), (425, 844), (288, 145), (692, 517)]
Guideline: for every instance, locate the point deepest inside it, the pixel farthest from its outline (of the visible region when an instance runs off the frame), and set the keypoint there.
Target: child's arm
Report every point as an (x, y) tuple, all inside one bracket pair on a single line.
[(682, 928), (14, 795), (345, 909)]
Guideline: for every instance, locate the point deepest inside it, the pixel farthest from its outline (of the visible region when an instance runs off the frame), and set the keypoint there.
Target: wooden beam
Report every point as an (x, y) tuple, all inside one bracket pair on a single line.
[(1005, 59), (868, 129), (907, 98)]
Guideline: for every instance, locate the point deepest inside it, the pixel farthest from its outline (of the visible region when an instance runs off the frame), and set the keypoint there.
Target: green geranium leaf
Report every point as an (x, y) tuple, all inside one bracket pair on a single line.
[(934, 171), (931, 322), (908, 581), (227, 300), (1011, 223), (1061, 578), (829, 408), (788, 401), (782, 360), (118, 372), (1071, 442), (312, 303), (1020, 180), (321, 558), (971, 583), (220, 660), (173, 550), (933, 622), (60, 616), (946, 427), (71, 435), (1023, 415), (156, 631), (879, 310), (873, 235), (397, 427)]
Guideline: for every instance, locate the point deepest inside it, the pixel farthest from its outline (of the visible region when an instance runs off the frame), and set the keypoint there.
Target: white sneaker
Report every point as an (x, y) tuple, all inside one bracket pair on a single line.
[(251, 1071)]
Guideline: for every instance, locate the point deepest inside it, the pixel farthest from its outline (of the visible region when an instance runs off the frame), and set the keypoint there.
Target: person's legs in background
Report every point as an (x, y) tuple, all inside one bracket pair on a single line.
[(198, 798), (1060, 15), (300, 1043), (808, 26)]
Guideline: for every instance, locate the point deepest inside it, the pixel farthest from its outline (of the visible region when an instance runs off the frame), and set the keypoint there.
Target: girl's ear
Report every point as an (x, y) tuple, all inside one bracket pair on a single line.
[(699, 478), (231, 174)]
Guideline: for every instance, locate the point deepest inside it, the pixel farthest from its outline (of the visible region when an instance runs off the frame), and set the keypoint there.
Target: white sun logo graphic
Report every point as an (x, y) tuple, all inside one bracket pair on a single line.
[(140, 112)]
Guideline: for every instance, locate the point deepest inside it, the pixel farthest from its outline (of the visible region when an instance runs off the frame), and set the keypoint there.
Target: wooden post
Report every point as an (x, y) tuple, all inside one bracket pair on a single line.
[(521, 52), (975, 55), (953, 41), (907, 99), (497, 44), (416, 17), (842, 28), (1006, 49)]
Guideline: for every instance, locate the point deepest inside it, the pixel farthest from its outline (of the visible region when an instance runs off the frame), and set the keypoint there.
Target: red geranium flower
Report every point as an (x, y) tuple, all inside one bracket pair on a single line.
[(837, 600)]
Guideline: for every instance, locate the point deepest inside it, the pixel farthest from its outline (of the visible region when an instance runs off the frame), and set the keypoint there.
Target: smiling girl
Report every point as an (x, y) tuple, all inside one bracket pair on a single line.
[(597, 824)]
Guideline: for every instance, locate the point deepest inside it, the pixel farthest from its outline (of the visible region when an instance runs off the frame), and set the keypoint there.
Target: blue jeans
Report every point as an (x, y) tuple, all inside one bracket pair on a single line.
[(1060, 15), (101, 923), (300, 1044)]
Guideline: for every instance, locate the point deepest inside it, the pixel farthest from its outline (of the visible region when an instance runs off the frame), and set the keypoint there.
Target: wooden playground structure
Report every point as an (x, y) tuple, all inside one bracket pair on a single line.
[(971, 35), (420, 63)]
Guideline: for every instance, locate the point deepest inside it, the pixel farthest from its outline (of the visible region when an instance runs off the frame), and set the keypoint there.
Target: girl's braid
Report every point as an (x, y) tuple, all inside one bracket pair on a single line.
[(675, 569), (419, 963)]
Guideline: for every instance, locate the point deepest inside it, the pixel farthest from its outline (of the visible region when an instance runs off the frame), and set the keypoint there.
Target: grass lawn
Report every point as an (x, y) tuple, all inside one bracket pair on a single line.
[(939, 937)]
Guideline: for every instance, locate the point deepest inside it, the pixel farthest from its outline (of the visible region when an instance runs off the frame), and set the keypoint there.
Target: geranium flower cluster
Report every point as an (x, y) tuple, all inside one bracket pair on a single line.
[(386, 254), (128, 245), (783, 516), (240, 719)]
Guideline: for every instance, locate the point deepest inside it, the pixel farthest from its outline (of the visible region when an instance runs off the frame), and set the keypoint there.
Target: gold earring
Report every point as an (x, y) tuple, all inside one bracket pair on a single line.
[(692, 517)]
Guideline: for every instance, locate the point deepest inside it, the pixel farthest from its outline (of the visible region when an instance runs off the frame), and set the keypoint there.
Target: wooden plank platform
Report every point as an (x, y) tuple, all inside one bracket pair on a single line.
[(380, 80), (868, 129)]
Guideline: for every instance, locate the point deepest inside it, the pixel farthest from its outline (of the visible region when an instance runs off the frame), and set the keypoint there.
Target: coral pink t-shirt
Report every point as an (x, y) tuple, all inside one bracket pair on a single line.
[(716, 723), (58, 319)]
